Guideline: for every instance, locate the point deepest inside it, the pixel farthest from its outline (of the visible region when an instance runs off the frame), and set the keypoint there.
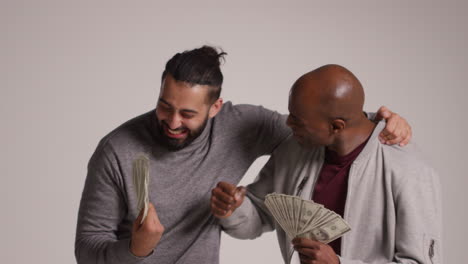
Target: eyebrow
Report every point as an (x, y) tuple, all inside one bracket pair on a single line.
[(183, 110)]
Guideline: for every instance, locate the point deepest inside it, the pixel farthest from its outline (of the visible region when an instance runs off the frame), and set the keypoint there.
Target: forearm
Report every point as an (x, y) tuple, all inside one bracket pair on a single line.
[(96, 240), (102, 208), (98, 249), (247, 222), (350, 261)]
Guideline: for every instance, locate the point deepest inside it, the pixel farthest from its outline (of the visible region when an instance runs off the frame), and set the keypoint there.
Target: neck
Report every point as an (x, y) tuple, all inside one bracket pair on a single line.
[(350, 138)]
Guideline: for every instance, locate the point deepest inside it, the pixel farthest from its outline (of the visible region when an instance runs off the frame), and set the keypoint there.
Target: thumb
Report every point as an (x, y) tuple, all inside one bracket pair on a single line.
[(152, 217), (136, 223), (239, 195)]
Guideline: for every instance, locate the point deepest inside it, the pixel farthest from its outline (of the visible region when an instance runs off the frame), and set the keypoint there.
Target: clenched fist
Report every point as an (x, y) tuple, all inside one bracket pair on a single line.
[(225, 198), (146, 236)]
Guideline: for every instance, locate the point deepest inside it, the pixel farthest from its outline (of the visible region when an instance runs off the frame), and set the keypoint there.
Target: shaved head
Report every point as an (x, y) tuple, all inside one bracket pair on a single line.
[(332, 90), (325, 105)]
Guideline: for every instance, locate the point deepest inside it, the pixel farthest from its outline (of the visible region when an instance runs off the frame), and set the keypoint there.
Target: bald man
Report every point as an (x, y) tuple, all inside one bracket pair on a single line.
[(389, 196)]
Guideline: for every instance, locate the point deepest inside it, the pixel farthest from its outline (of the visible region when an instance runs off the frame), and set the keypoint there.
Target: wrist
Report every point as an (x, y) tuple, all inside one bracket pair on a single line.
[(140, 253)]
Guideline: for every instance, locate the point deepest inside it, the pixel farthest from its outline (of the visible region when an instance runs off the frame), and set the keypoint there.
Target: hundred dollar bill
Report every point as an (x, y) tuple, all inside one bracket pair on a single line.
[(328, 232), (305, 218), (141, 182)]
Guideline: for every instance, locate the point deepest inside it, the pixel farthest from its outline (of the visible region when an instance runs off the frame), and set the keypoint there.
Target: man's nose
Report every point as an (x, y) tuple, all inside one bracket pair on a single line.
[(175, 121)]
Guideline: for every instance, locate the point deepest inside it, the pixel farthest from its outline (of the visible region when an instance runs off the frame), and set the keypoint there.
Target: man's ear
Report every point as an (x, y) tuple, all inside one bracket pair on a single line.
[(338, 125), (215, 107)]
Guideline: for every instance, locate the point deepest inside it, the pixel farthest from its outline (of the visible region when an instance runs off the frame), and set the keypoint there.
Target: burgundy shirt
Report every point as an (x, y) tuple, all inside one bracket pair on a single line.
[(331, 187)]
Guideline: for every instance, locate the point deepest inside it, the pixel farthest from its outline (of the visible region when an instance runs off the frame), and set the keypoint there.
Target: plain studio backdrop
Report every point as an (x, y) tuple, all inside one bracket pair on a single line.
[(71, 71)]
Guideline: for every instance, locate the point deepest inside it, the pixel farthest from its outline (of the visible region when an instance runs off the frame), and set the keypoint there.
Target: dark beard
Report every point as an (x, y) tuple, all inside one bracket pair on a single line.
[(173, 144)]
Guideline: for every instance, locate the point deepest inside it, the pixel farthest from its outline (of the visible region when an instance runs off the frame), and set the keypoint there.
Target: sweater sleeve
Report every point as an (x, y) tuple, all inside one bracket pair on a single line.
[(273, 130), (102, 209), (418, 223), (261, 129)]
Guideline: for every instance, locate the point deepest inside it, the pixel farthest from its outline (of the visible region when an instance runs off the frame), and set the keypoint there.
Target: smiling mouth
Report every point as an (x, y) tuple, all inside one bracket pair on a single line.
[(178, 133)]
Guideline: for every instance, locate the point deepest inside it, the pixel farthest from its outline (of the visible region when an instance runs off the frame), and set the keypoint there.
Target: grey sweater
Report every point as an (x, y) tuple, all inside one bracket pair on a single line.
[(180, 185), (393, 202)]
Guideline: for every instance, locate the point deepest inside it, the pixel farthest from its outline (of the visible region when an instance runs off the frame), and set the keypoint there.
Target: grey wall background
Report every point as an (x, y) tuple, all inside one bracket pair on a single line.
[(71, 71)]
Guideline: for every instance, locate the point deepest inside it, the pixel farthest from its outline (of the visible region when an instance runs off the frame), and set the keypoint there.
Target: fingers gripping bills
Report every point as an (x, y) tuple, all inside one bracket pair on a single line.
[(305, 218), (141, 182)]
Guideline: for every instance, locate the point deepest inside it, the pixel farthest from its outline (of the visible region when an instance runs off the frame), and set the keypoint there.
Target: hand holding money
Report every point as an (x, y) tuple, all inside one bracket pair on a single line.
[(147, 229), (146, 235), (305, 218), (225, 198), (311, 251)]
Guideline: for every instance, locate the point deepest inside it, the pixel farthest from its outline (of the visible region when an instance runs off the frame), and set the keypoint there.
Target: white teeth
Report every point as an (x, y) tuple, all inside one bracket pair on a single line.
[(175, 132)]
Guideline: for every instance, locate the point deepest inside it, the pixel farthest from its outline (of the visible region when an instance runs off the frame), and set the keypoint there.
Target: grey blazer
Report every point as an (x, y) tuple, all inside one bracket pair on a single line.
[(393, 203)]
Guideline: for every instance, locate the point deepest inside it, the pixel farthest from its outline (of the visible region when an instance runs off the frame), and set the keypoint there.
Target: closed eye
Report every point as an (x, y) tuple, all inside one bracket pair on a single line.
[(187, 115), (164, 108)]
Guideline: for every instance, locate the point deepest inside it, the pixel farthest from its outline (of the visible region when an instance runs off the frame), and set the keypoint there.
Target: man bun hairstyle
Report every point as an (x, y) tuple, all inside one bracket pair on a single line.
[(198, 66)]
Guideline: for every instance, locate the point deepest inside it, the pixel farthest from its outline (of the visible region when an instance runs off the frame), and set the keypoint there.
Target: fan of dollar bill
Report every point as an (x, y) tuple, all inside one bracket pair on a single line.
[(305, 218), (141, 182)]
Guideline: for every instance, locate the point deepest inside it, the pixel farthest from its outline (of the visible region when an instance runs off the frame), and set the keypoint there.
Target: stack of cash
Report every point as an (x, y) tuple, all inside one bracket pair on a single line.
[(305, 218), (141, 182)]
